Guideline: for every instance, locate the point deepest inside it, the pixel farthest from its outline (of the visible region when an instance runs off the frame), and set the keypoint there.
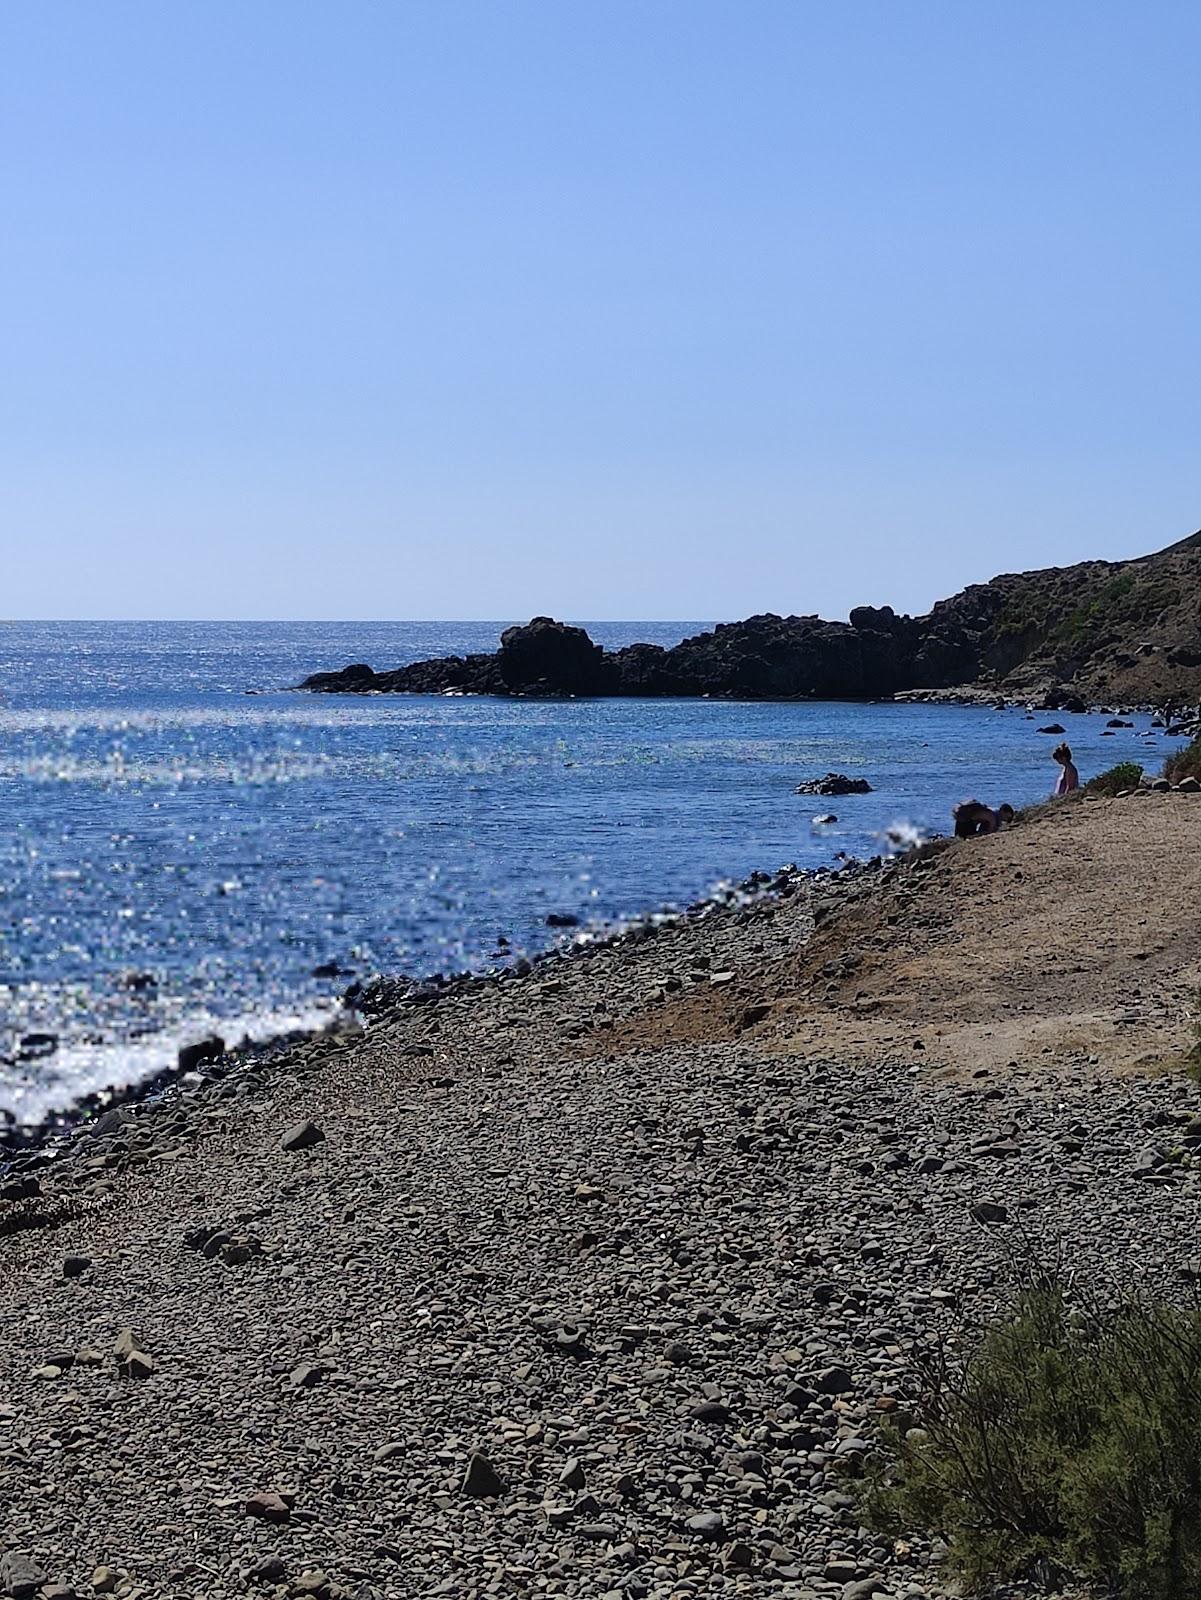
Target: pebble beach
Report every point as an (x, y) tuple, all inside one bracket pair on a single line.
[(593, 1280)]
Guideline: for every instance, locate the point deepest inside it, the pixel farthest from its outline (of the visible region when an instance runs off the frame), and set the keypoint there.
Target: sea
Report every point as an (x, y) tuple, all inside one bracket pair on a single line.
[(188, 845)]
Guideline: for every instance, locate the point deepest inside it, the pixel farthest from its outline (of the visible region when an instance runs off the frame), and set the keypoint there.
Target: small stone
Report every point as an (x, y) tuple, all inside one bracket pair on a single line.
[(125, 1344), (708, 1524), (26, 1188), (303, 1136), (863, 1589), (19, 1576), (75, 1266), (481, 1478), (834, 1380), (268, 1507), (110, 1123), (709, 1411), (240, 1252), (191, 1056), (313, 1582)]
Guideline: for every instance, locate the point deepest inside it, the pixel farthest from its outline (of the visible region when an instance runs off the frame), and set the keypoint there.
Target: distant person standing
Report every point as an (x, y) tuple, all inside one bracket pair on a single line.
[(1069, 779)]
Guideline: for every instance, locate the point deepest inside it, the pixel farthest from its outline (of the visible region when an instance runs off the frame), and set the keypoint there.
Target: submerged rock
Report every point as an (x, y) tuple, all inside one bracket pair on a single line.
[(834, 783)]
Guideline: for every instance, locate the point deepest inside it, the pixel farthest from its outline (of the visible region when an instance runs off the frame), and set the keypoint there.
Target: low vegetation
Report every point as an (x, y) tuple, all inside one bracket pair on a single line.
[(1068, 1447), (1100, 608), (1126, 775), (1185, 763)]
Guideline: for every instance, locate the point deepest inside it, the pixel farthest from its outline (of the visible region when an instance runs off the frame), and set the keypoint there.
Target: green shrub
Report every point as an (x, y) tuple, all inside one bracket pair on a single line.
[(1100, 608), (1126, 775), (1185, 763), (1068, 1445)]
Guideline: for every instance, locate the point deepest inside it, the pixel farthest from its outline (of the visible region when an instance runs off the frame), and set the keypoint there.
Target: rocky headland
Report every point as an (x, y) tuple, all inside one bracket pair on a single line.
[(593, 1277), (1122, 631)]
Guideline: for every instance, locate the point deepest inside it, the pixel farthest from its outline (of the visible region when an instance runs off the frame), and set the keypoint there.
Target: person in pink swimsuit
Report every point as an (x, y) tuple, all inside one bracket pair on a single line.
[(1068, 779)]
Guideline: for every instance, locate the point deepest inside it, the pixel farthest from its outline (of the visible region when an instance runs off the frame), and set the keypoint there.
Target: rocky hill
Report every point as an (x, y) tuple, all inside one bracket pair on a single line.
[(1128, 631)]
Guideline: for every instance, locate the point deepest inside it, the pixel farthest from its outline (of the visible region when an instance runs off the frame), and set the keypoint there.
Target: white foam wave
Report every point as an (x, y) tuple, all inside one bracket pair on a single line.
[(900, 836), (35, 1090)]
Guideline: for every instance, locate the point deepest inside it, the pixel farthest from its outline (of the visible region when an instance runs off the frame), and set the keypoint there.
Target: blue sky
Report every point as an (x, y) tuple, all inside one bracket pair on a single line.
[(598, 307)]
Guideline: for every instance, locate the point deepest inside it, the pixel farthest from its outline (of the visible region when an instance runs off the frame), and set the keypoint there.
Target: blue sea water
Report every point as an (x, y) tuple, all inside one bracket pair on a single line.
[(169, 807)]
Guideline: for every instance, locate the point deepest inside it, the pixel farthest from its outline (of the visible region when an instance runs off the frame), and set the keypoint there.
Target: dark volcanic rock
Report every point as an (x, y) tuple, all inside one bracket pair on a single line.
[(356, 679), (1130, 629), (481, 1478), (302, 1137), (551, 658), (196, 1055), (764, 658), (834, 783)]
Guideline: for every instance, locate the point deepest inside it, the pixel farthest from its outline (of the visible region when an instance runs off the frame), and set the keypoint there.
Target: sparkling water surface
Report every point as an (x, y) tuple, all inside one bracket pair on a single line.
[(183, 838)]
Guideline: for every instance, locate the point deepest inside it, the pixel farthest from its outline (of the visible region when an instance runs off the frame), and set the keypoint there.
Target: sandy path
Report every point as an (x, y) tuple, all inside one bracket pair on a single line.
[(1072, 941)]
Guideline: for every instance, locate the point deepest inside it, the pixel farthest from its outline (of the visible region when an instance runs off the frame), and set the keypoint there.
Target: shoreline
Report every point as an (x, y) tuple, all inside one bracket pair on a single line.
[(602, 1275), (344, 1011), (198, 1061), (1094, 631)]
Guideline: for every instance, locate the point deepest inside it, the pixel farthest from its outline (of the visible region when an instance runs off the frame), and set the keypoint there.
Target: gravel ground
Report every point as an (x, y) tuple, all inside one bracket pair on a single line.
[(485, 1301)]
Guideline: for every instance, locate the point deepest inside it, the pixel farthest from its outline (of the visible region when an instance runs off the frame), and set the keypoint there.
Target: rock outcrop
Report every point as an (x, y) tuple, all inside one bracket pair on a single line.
[(1125, 630), (834, 783)]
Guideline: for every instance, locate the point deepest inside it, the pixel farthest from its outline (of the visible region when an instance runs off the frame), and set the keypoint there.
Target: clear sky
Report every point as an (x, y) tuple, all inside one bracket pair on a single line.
[(603, 308)]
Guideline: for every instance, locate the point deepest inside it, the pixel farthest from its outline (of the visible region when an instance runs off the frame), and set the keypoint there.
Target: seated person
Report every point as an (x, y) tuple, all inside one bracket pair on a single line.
[(1068, 780), (972, 818)]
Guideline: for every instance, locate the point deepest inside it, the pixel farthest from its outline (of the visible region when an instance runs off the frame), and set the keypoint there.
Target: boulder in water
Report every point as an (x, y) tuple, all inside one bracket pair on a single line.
[(834, 783)]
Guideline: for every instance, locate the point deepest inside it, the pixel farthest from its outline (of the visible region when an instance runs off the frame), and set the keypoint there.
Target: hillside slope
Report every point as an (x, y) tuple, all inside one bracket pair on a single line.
[(1127, 630)]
